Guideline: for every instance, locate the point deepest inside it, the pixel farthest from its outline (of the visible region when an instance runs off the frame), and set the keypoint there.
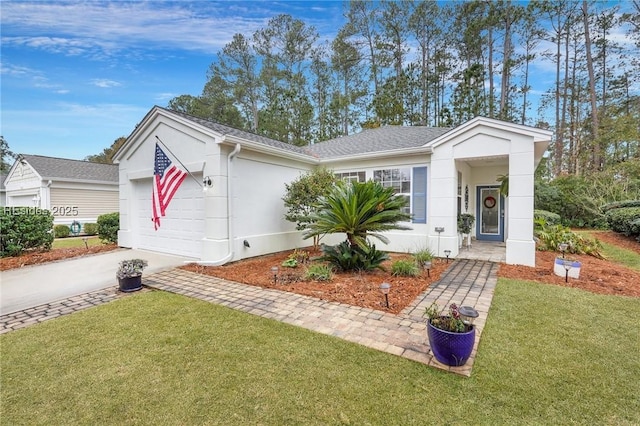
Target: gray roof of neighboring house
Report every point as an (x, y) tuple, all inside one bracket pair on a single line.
[(65, 169), (368, 141)]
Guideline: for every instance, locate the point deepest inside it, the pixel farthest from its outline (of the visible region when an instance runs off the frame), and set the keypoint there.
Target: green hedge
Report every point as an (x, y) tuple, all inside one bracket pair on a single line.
[(625, 220), (61, 231), (24, 228), (620, 204), (550, 218), (108, 225), (91, 228)]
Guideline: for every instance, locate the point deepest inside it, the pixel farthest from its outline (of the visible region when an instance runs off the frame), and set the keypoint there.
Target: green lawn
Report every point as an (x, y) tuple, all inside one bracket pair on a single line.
[(548, 355), (617, 254), (72, 242)]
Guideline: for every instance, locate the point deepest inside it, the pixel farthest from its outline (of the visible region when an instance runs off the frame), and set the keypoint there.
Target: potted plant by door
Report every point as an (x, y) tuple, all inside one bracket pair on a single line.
[(451, 337), (130, 274)]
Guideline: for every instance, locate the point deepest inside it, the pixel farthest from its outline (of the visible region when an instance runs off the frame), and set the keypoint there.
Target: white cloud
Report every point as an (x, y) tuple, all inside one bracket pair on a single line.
[(104, 83)]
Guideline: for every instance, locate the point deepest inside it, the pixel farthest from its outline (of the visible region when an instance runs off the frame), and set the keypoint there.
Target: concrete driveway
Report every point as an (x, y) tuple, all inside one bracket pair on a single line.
[(38, 284)]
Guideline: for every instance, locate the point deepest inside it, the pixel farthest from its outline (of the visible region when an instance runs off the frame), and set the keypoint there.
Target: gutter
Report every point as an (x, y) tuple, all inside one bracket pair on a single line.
[(230, 233)]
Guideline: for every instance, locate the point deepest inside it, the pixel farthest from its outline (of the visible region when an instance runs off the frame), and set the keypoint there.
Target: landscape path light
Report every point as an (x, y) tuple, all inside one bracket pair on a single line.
[(468, 314), (384, 288), (447, 253), (427, 265), (274, 272), (563, 248)]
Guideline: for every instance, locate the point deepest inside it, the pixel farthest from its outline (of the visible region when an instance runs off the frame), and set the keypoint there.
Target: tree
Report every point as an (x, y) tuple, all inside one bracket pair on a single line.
[(359, 210), (303, 194), (106, 156), (5, 155)]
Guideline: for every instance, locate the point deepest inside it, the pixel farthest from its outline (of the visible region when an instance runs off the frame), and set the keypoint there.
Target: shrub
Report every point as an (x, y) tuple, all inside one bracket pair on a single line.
[(625, 220), (422, 256), (318, 272), (24, 228), (347, 258), (620, 204), (405, 268), (61, 231), (550, 237), (290, 262), (550, 218), (108, 225), (91, 228)]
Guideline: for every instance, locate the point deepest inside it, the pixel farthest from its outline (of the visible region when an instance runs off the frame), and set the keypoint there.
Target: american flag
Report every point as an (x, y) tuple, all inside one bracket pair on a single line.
[(167, 179)]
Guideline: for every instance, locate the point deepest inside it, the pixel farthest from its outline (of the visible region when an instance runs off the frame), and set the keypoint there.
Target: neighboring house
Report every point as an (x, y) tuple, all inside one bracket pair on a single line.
[(3, 191), (73, 190), (441, 172)]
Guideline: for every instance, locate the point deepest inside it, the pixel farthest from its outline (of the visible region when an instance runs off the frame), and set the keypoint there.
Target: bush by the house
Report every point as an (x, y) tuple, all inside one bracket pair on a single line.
[(347, 258), (24, 228), (625, 220), (108, 225), (91, 228), (61, 231), (549, 218), (318, 272), (550, 237), (405, 268)]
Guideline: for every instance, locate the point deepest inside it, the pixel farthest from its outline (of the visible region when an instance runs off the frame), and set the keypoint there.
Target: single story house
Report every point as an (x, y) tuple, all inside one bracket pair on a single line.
[(441, 171), (73, 190)]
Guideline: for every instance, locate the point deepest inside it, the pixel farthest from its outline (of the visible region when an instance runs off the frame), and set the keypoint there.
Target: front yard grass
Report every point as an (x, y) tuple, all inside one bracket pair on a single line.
[(73, 242), (548, 355)]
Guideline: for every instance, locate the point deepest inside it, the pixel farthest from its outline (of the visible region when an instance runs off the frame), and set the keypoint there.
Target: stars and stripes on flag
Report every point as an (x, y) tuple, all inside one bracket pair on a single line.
[(166, 180)]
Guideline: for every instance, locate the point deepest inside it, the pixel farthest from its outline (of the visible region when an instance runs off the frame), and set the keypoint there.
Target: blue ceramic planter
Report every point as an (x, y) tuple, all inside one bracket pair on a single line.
[(449, 348)]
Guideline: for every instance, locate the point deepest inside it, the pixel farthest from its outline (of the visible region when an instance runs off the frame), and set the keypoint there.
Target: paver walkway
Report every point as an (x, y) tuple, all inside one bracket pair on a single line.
[(466, 282)]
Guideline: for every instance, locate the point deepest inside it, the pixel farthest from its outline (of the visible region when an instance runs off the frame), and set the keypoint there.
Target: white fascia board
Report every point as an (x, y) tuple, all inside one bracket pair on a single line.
[(405, 152), (268, 149), (98, 182)]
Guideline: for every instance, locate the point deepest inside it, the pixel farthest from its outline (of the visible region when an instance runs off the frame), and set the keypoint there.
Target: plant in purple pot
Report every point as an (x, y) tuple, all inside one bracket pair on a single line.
[(451, 334)]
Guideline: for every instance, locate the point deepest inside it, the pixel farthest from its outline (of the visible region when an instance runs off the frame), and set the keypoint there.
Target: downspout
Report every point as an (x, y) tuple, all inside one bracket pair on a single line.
[(230, 234)]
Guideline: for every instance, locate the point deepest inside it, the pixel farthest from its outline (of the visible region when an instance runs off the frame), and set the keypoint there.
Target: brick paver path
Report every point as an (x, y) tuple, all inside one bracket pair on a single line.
[(466, 282)]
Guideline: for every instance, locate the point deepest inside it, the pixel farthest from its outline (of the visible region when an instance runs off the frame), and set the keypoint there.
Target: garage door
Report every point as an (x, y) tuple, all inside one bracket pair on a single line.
[(181, 230)]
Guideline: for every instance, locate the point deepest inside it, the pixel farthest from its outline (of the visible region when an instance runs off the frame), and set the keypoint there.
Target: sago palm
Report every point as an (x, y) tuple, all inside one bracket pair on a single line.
[(359, 210)]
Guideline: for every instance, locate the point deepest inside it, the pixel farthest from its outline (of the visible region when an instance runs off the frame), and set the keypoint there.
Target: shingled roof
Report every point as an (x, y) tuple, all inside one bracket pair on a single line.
[(77, 170), (387, 138)]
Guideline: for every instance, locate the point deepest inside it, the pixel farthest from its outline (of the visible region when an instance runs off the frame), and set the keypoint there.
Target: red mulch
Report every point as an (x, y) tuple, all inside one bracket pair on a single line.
[(362, 289)]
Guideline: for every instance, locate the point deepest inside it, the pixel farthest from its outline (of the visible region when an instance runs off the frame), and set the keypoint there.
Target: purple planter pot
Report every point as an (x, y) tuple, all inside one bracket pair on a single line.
[(449, 348)]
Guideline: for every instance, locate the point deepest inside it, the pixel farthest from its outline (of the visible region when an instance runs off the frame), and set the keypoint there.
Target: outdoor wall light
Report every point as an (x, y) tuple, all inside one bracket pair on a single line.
[(274, 272), (207, 183), (246, 244), (568, 264), (468, 314), (447, 253), (563, 248), (427, 265), (384, 288)]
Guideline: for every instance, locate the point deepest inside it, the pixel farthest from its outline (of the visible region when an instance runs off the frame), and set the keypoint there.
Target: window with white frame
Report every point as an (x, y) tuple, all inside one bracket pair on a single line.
[(352, 176), (398, 179)]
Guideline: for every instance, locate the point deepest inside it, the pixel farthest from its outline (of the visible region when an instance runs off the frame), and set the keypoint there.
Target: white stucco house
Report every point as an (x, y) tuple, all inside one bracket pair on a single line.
[(73, 190), (441, 171)]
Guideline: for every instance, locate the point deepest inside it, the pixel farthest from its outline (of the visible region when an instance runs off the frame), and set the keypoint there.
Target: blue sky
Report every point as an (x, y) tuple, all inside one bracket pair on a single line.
[(78, 75), (75, 76)]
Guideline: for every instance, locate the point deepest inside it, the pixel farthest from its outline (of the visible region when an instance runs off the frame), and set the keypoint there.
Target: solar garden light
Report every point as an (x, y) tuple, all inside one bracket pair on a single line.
[(384, 288), (274, 271), (563, 248), (568, 264), (447, 253), (468, 314), (86, 243), (427, 266)]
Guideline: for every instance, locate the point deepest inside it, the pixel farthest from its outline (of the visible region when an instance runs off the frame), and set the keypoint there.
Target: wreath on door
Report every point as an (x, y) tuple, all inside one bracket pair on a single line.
[(489, 202)]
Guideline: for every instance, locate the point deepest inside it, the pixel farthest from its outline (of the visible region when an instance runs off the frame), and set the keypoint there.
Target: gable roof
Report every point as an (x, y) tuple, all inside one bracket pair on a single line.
[(3, 176), (65, 169), (381, 139)]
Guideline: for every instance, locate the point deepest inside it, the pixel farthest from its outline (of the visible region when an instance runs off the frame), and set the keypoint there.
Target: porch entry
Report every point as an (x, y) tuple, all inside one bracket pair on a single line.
[(489, 214)]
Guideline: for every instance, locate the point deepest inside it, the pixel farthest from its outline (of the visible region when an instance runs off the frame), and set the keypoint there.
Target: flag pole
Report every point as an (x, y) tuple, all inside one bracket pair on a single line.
[(174, 156)]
